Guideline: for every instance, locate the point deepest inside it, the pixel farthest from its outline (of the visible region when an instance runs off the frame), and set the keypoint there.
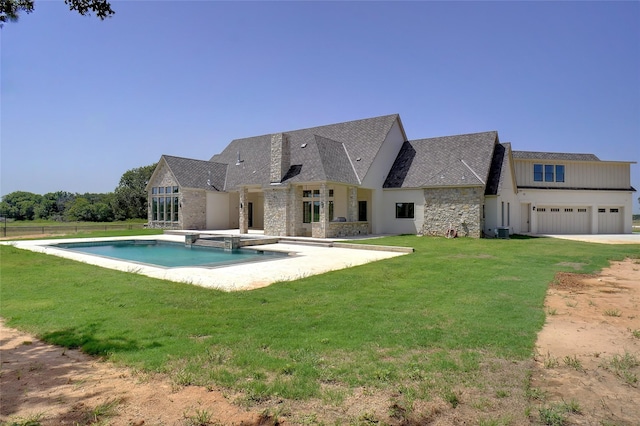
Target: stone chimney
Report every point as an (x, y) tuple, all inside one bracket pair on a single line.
[(280, 157)]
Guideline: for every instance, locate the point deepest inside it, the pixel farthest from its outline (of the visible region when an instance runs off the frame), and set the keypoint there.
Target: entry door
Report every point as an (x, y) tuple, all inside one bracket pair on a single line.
[(250, 215), (525, 217), (362, 211)]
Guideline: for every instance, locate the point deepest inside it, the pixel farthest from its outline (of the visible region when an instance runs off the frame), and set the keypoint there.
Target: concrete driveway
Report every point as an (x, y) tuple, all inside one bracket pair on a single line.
[(600, 238)]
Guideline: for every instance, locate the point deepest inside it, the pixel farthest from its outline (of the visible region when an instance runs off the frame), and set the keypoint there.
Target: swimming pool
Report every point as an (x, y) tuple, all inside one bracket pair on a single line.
[(168, 254)]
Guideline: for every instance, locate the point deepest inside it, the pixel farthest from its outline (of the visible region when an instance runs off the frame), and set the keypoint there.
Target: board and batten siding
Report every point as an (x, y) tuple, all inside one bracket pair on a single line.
[(577, 174)]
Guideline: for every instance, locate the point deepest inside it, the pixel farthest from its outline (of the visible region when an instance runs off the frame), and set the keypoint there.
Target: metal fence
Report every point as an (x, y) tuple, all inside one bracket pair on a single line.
[(15, 231)]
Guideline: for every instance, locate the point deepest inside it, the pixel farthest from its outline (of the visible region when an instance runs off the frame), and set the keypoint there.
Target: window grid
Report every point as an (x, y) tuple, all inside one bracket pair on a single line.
[(165, 204), (548, 173)]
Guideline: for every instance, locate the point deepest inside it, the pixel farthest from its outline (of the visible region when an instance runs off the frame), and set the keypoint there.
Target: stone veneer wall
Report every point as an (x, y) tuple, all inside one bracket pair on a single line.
[(276, 209), (460, 208), (193, 214), (347, 229), (295, 212)]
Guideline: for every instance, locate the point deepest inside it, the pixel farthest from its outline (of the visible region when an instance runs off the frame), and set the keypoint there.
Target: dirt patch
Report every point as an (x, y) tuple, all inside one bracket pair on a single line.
[(60, 386), (589, 348), (592, 321)]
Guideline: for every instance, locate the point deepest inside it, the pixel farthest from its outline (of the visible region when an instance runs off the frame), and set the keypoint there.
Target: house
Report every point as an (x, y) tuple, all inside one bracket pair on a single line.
[(366, 177)]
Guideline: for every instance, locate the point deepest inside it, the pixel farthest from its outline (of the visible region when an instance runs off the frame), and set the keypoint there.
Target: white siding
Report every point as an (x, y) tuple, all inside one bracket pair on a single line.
[(402, 226), (588, 174), (218, 210), (378, 173)]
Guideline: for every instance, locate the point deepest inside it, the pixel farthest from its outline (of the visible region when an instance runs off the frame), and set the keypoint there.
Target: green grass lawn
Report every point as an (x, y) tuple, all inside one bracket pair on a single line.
[(431, 317)]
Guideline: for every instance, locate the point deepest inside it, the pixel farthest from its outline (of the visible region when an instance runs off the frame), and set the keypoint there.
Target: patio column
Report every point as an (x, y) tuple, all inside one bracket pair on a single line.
[(352, 204), (244, 211)]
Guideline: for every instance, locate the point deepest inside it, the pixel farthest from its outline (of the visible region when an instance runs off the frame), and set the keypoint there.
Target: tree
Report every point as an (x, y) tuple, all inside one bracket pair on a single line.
[(10, 9), (53, 205), (20, 205), (130, 197)]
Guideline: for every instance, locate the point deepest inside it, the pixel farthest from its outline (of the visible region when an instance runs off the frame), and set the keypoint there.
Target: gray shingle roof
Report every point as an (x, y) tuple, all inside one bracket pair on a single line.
[(330, 153), (197, 173), (532, 155), (444, 161)]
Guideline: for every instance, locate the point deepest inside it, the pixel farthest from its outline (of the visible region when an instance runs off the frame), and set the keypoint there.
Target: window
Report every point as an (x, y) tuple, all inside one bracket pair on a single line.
[(613, 210), (502, 214), (582, 210), (306, 212), (537, 172), (175, 208), (555, 210), (568, 210), (167, 206), (542, 209), (161, 208), (404, 210), (311, 209), (552, 173), (548, 173), (602, 210)]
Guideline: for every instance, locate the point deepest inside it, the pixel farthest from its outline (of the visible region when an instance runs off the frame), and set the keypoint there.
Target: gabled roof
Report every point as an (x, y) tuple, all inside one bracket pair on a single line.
[(532, 155), (197, 174), (341, 152), (462, 160)]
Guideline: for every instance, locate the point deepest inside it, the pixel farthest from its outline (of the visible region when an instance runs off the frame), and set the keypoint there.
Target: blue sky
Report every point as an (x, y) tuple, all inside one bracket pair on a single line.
[(85, 100)]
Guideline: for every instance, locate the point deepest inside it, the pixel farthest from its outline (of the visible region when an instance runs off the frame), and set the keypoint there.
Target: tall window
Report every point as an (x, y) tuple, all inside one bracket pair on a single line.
[(559, 173), (404, 210), (165, 203), (311, 207)]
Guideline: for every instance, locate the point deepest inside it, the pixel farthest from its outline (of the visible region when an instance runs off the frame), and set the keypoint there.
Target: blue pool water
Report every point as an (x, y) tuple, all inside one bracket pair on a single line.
[(168, 254)]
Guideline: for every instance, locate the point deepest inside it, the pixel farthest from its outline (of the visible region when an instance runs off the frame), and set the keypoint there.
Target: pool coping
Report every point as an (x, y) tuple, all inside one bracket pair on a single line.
[(309, 259)]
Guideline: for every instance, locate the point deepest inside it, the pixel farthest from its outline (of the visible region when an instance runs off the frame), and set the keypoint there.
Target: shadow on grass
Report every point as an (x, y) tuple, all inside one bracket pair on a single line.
[(84, 339), (523, 237)]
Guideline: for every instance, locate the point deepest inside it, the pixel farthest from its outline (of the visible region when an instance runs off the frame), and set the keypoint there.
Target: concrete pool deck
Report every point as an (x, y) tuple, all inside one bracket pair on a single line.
[(305, 260)]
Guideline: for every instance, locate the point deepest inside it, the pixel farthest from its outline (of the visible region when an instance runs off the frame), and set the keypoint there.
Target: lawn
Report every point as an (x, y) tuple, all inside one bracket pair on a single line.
[(418, 324)]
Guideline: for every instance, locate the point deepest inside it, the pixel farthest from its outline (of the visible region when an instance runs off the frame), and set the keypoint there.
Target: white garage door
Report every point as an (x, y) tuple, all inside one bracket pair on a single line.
[(610, 220), (563, 220)]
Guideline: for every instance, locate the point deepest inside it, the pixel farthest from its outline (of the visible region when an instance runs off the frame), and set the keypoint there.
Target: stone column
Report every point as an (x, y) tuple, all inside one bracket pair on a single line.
[(324, 210), (244, 211), (352, 204)]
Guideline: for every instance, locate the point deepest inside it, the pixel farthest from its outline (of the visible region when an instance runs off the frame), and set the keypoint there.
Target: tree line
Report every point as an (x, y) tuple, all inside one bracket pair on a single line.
[(128, 201)]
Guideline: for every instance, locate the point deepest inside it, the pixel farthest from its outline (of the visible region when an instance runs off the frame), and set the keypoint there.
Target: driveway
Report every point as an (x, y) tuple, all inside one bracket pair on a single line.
[(601, 238)]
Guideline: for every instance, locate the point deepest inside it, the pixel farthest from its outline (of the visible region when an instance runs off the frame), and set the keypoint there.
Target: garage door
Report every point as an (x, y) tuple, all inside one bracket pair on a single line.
[(563, 220), (610, 220)]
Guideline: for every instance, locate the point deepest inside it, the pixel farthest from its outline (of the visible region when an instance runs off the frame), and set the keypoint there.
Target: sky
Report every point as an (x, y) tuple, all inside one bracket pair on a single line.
[(84, 100)]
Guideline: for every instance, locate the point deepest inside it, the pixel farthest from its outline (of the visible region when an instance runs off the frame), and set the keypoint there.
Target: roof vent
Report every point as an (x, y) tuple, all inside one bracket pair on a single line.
[(304, 145), (358, 159)]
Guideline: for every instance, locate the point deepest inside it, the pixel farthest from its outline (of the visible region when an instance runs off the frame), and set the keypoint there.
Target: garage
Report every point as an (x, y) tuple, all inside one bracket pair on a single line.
[(610, 220), (563, 220)]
